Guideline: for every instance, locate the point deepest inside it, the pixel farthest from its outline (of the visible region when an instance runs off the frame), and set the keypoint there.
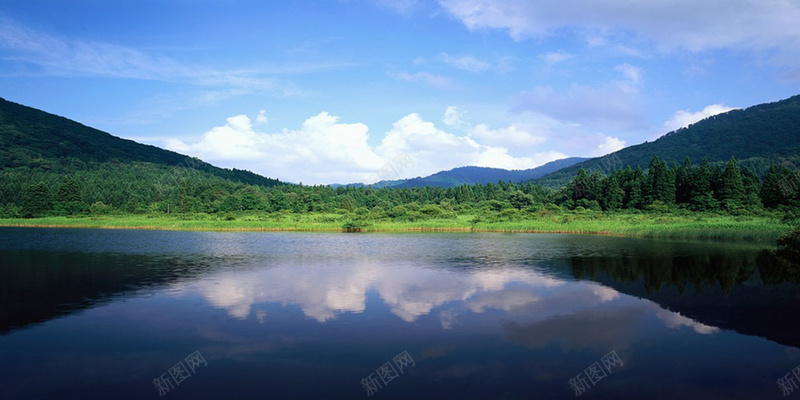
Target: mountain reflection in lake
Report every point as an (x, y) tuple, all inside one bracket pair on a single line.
[(102, 314)]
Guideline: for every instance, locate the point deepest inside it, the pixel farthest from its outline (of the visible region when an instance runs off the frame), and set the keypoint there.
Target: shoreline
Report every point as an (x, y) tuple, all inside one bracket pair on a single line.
[(292, 229), (669, 226)]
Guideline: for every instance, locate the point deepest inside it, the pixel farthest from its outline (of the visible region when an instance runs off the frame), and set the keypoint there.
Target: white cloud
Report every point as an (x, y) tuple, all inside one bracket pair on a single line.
[(684, 118), (261, 118), (604, 106), (613, 104), (467, 63), (55, 56), (434, 150), (325, 150), (473, 64), (453, 118), (670, 24), (322, 150), (631, 73), (556, 57), (514, 135), (608, 145), (437, 81), (675, 320), (344, 289)]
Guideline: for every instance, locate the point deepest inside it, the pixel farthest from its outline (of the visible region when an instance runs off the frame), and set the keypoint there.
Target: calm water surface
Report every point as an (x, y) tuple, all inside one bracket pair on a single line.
[(106, 314)]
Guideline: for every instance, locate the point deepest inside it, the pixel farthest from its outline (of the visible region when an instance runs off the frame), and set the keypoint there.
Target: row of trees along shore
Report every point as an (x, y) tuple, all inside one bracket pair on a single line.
[(147, 188)]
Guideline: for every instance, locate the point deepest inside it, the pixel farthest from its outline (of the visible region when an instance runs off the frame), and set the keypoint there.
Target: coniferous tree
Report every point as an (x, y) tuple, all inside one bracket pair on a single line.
[(595, 188), (36, 201), (520, 199), (702, 192), (781, 186), (612, 193), (731, 187), (659, 183), (752, 186), (634, 189), (683, 182), (580, 185)]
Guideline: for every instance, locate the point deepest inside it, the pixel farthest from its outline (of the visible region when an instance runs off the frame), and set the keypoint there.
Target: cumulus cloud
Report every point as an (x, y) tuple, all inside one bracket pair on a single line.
[(675, 320), (453, 118), (670, 24), (434, 149), (684, 118), (261, 118), (344, 289), (325, 150), (304, 154), (608, 145), (514, 135)]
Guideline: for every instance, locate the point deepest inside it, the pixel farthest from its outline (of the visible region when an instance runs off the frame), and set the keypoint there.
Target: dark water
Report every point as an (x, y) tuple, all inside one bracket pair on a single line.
[(94, 314)]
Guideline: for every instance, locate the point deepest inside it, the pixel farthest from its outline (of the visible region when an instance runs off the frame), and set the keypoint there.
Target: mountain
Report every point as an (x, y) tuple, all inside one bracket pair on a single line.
[(756, 136), (31, 138), (479, 175)]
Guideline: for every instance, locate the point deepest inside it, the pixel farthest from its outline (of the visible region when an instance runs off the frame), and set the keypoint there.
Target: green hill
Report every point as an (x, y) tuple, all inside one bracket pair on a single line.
[(479, 175), (757, 136), (35, 140)]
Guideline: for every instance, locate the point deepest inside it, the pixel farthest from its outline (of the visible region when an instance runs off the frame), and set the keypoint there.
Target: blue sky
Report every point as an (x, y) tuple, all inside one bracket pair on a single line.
[(355, 90)]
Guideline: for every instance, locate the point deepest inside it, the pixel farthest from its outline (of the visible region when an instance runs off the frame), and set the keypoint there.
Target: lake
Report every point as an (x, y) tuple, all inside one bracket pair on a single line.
[(130, 314)]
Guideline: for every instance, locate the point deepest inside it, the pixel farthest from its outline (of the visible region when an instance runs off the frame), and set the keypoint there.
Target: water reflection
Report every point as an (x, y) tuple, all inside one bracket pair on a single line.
[(323, 291), (309, 315)]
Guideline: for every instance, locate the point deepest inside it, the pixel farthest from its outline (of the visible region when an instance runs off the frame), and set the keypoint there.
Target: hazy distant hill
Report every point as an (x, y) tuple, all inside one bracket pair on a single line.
[(479, 175), (756, 136), (38, 140)]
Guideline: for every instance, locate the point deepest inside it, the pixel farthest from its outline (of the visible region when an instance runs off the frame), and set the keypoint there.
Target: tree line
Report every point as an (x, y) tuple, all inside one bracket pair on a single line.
[(140, 188)]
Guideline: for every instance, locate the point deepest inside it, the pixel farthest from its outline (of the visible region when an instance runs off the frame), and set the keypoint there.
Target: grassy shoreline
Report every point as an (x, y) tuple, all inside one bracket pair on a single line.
[(666, 226)]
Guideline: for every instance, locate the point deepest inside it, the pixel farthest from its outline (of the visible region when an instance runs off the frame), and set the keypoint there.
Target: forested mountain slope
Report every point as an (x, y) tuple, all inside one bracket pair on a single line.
[(37, 140), (756, 136), (480, 175)]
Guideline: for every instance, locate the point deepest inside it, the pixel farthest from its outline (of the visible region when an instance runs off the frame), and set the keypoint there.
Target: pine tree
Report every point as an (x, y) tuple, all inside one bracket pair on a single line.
[(731, 186), (659, 183), (36, 201), (68, 191), (780, 186), (595, 188), (634, 189), (752, 186), (683, 182), (612, 193), (702, 197), (580, 185)]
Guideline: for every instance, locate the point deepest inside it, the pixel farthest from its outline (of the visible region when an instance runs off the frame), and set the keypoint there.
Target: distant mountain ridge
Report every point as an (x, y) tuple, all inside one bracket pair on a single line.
[(478, 175), (36, 139), (756, 136)]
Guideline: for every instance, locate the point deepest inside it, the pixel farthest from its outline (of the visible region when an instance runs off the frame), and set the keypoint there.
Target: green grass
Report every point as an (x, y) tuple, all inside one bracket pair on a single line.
[(666, 226)]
